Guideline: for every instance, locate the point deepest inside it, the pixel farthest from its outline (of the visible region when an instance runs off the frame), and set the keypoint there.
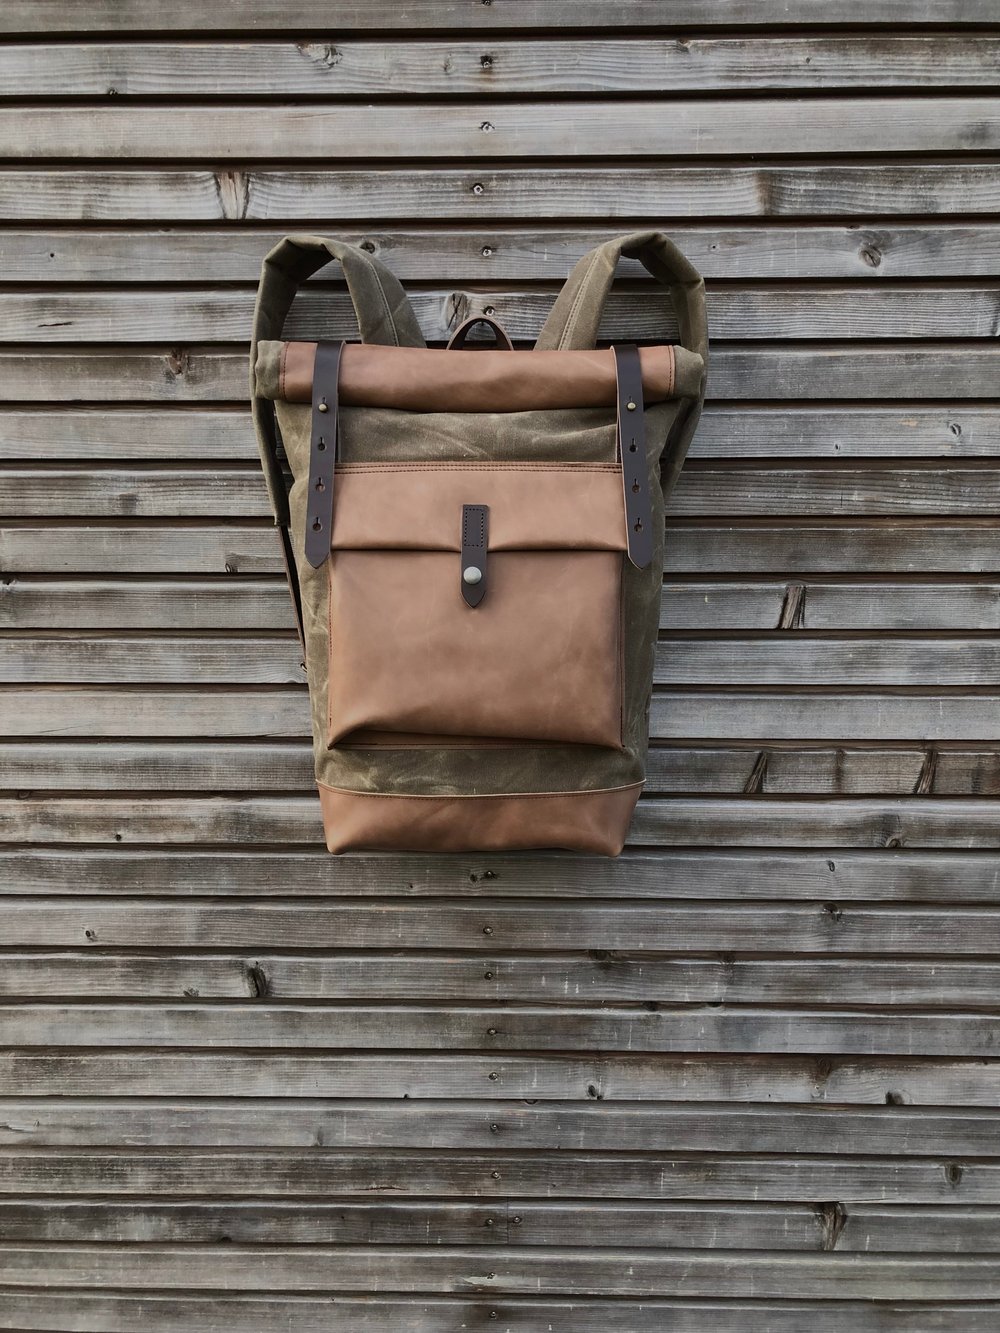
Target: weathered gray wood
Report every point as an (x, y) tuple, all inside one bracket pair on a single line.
[(93, 434), (596, 1127), (322, 1172), (259, 604), (236, 491), (224, 315), (262, 16), (490, 130), (889, 546), (748, 769), (432, 68), (581, 1077), (441, 1268), (780, 659), (843, 876), (170, 1313), (161, 196), (276, 713), (792, 1227), (675, 926), (885, 547), (611, 976), (486, 254), (796, 373), (204, 604)]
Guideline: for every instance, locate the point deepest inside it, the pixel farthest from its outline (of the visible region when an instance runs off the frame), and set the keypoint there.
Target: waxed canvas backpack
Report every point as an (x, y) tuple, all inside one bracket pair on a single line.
[(474, 545)]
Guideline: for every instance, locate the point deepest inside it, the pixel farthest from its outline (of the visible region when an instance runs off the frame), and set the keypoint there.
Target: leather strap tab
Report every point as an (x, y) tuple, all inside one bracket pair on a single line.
[(322, 452), (475, 535), (457, 339), (632, 454)]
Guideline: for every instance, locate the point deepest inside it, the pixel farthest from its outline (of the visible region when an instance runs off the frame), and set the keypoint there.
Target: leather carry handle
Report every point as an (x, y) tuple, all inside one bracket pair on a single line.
[(457, 339), (575, 318)]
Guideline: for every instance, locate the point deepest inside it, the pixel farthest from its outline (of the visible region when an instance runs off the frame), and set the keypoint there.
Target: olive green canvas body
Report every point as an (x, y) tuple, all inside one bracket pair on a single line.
[(379, 434)]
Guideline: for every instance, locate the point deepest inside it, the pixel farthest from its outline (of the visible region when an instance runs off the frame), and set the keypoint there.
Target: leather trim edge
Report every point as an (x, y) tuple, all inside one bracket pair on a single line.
[(583, 821)]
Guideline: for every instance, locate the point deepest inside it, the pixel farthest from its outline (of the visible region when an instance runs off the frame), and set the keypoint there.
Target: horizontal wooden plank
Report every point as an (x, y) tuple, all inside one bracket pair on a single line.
[(472, 67), (322, 1172), (831, 926), (525, 1270), (697, 716), (559, 1077), (30, 602), (106, 766), (866, 717), (237, 491), (886, 547), (116, 1312), (593, 1127), (488, 130), (869, 1228), (889, 547), (224, 315), (844, 876), (493, 194), (750, 431), (779, 659), (486, 254), (252, 16), (612, 976), (793, 1227), (203, 604), (792, 373)]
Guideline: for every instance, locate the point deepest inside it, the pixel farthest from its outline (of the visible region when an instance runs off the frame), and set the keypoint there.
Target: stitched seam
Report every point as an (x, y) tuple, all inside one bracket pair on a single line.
[(475, 467), (469, 796)]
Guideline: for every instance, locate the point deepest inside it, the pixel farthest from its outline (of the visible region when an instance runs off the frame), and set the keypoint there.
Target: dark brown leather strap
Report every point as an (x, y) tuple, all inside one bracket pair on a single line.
[(323, 452), (632, 453), (501, 335), (475, 535)]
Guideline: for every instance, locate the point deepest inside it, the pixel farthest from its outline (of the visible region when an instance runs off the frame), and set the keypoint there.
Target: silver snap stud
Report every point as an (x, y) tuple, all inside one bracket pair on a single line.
[(630, 405), (472, 574), (322, 407)]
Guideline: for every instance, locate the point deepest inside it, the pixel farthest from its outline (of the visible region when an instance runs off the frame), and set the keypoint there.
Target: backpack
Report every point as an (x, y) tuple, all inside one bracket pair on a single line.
[(473, 538)]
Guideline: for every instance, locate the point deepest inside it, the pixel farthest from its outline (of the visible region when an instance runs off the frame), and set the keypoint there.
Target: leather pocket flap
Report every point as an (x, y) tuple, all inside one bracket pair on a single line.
[(533, 506)]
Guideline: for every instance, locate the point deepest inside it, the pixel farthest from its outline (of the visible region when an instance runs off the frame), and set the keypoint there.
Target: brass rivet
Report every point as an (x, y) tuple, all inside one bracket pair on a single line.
[(322, 407), (630, 405)]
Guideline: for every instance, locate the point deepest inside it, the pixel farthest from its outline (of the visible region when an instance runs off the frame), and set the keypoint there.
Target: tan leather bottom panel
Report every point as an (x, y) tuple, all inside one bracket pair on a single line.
[(431, 379), (538, 659), (587, 821)]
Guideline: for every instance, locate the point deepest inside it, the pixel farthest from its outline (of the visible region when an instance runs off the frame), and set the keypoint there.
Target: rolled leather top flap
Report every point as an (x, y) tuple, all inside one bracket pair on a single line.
[(427, 379)]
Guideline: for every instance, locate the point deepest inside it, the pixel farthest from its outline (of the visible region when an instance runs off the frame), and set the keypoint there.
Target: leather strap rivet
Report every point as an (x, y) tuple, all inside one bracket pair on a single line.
[(630, 405), (472, 575), (323, 406)]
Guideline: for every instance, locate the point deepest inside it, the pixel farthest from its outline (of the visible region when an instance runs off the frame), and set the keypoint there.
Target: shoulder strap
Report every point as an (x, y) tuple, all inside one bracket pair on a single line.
[(575, 317), (383, 310), (384, 316)]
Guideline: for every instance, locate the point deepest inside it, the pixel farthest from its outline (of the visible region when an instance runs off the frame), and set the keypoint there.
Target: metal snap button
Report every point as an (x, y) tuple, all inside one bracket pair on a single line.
[(472, 574)]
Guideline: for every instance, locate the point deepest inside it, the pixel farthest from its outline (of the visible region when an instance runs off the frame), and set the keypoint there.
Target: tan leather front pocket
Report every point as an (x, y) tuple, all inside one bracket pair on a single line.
[(539, 659)]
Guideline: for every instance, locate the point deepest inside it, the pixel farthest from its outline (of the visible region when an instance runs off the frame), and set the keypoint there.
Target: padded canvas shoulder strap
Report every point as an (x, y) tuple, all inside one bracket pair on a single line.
[(382, 307), (575, 317)]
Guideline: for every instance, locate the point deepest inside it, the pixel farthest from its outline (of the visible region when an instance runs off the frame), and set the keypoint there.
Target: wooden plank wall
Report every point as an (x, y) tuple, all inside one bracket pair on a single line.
[(746, 1077)]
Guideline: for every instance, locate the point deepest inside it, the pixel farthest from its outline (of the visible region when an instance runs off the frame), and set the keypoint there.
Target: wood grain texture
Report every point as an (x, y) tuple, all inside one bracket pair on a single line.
[(491, 130), (744, 1076)]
